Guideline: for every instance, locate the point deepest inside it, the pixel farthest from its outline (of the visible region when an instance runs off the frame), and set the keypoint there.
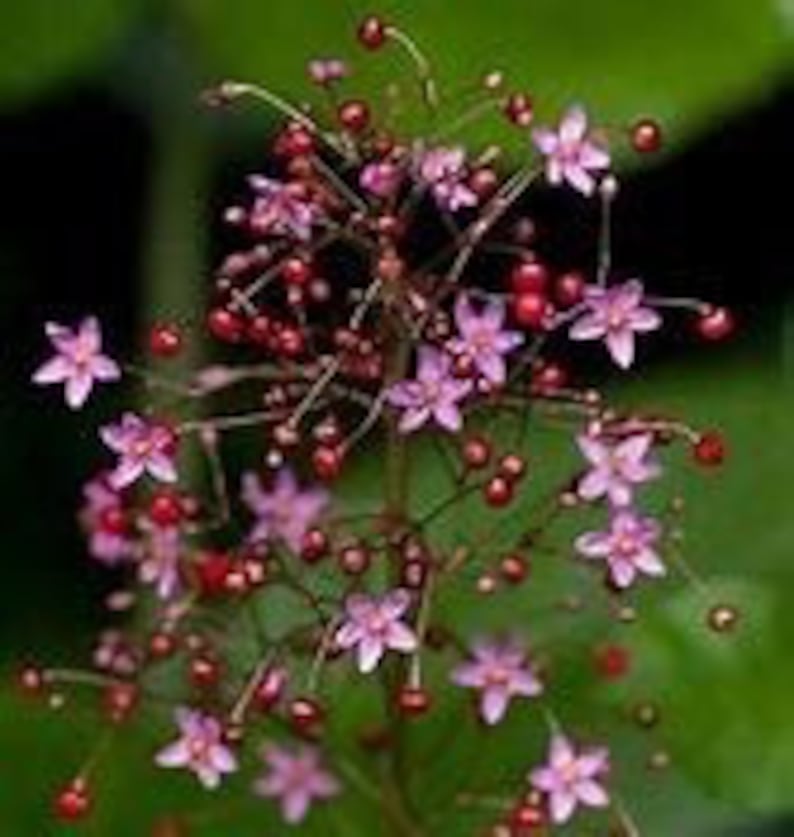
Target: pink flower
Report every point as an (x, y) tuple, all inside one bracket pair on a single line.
[(199, 748), (615, 315), (327, 71), (285, 512), (161, 562), (281, 209), (444, 171), (374, 625), (483, 337), (570, 779), (627, 547), (617, 467), (296, 779), (434, 394), (106, 545), (78, 362), (500, 672), (143, 447), (382, 178), (570, 154)]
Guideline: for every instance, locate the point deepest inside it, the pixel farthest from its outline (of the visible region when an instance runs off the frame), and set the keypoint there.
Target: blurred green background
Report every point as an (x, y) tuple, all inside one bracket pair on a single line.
[(113, 178)]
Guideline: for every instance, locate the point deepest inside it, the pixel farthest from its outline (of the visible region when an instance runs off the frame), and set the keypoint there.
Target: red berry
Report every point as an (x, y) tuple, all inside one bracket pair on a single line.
[(165, 508), (213, 571), (514, 568), (314, 545), (710, 449), (225, 325), (295, 141), (30, 680), (119, 700), (305, 714), (413, 574), (527, 816), (413, 701), (646, 136), (354, 115), (476, 452), (548, 378), (512, 466), (269, 689), (165, 340), (530, 309), (612, 661), (372, 32), (113, 520), (716, 323), (498, 491), (569, 288), (73, 802), (529, 276), (483, 182), (518, 109), (296, 271), (258, 330), (204, 671), (327, 462), (161, 645), (291, 342), (354, 559)]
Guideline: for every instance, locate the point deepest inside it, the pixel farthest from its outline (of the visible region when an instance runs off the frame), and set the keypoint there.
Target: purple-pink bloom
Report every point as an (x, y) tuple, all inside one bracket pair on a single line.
[(374, 625), (444, 171), (433, 394), (571, 154), (500, 671), (143, 447), (105, 545), (381, 178), (616, 467), (615, 315), (627, 548), (483, 337), (78, 362), (199, 748), (160, 565), (570, 779), (286, 512), (327, 71), (296, 778), (280, 209)]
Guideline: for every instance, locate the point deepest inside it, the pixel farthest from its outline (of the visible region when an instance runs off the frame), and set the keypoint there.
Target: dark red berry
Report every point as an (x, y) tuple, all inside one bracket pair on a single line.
[(529, 276), (530, 309), (161, 645), (354, 115), (569, 288), (296, 271), (476, 452), (483, 182), (295, 141), (354, 559), (372, 32), (413, 701), (314, 545), (291, 342), (204, 671), (612, 661), (527, 816), (30, 679), (258, 330), (165, 508), (518, 109), (165, 340), (710, 449), (646, 136), (119, 701), (514, 568), (327, 462), (498, 491), (549, 377), (269, 689), (305, 714), (212, 570), (512, 466), (225, 325), (113, 520), (715, 324), (74, 802)]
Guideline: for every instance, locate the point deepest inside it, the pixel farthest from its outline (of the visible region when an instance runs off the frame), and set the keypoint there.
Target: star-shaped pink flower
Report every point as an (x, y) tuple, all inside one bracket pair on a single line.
[(160, 566), (571, 155), (381, 178), (286, 512), (107, 545), (199, 748), (617, 467), (296, 779), (78, 363), (444, 171), (570, 779), (374, 625), (500, 671), (615, 315), (433, 394), (281, 209), (627, 547), (143, 447), (483, 337)]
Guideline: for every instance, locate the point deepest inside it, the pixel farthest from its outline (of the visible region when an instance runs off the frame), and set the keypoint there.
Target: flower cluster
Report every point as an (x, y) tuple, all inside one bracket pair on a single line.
[(338, 330)]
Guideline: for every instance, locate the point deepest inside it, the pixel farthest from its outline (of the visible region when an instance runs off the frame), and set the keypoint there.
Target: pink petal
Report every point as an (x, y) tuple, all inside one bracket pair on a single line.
[(649, 562), (449, 417), (594, 484), (620, 344), (126, 473), (592, 156), (400, 637), (588, 327), (545, 140), (162, 467), (370, 651), (396, 602), (573, 125), (469, 675), (295, 805), (105, 369), (562, 804), (348, 635), (622, 572), (561, 752), (494, 704), (413, 418), (208, 776), (644, 319), (78, 388), (593, 544), (174, 755), (591, 793), (54, 371), (579, 178)]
